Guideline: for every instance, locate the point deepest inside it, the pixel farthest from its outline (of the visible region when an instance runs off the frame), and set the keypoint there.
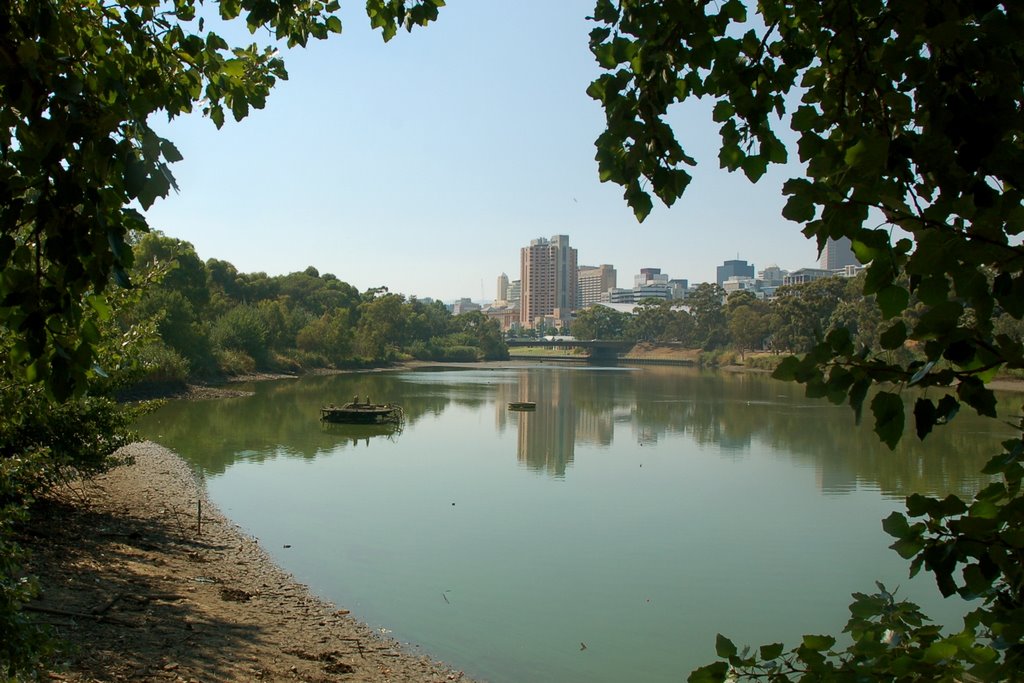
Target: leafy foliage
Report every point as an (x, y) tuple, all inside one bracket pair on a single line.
[(887, 635), (42, 444), (79, 83), (908, 120), (599, 322), (905, 114)]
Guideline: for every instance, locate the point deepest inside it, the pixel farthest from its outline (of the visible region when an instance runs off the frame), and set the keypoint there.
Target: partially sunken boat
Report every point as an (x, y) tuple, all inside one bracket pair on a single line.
[(522, 405), (362, 413)]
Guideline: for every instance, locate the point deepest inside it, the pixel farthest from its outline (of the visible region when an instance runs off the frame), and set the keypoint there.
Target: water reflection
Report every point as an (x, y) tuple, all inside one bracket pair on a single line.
[(636, 510), (622, 408), (357, 433)]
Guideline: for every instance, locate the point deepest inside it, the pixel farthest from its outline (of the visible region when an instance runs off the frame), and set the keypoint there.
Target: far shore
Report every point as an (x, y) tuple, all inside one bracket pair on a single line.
[(641, 354)]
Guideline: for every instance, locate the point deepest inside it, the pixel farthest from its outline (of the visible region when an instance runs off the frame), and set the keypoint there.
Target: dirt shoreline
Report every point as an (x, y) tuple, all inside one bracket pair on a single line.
[(139, 593)]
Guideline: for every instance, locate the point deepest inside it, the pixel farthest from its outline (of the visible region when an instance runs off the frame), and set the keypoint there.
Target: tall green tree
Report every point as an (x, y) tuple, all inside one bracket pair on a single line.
[(660, 320), (79, 85), (599, 322), (708, 312), (749, 321), (483, 332), (381, 330), (803, 314)]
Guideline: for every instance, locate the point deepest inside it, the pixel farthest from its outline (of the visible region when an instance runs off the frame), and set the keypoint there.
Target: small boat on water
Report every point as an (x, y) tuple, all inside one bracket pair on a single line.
[(522, 405), (362, 413)]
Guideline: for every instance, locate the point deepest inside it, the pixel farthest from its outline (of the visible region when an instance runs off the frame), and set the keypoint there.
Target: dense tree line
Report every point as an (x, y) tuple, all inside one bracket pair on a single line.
[(794, 321), (208, 319)]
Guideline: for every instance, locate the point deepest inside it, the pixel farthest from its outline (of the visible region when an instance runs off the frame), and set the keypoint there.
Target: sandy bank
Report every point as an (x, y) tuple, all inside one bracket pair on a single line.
[(141, 594)]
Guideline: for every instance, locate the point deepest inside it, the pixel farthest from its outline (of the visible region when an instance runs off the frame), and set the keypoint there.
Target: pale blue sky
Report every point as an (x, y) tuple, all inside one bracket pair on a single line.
[(425, 164)]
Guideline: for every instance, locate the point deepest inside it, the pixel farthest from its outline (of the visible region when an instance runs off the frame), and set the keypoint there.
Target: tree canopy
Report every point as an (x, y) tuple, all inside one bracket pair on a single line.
[(908, 118), (78, 157), (908, 122)]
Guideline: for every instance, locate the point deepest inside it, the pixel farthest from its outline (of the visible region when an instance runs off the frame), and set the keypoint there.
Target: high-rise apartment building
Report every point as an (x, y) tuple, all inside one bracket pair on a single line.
[(549, 279), (837, 254), (593, 282)]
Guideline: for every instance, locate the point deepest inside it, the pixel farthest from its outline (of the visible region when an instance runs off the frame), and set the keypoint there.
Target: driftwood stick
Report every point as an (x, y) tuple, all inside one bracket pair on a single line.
[(103, 609), (199, 517), (78, 615)]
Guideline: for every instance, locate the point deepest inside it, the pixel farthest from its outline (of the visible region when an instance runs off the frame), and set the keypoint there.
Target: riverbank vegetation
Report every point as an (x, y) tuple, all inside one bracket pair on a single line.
[(209, 320), (908, 127)]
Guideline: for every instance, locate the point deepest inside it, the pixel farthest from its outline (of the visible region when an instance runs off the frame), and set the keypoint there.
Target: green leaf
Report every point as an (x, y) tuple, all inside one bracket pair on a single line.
[(723, 111), (896, 525), (754, 167), (799, 208), (919, 506), (99, 304), (940, 651), (724, 647), (805, 118), (787, 369), (889, 417), (894, 336), (892, 300), (770, 652), (907, 547), (868, 154), (925, 417), (818, 643), (712, 673), (974, 393)]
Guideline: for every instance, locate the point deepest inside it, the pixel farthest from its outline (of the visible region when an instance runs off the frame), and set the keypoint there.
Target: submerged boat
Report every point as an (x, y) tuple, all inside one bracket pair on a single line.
[(522, 405), (362, 413)]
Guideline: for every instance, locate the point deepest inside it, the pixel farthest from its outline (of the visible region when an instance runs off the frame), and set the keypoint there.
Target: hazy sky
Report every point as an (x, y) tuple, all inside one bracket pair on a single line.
[(425, 164)]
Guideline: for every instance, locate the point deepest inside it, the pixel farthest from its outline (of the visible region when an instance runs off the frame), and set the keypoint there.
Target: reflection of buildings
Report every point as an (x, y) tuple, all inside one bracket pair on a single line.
[(595, 427), (835, 477), (547, 437)]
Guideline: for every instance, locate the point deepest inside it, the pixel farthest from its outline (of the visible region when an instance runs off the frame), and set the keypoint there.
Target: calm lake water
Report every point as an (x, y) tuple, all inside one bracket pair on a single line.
[(637, 511)]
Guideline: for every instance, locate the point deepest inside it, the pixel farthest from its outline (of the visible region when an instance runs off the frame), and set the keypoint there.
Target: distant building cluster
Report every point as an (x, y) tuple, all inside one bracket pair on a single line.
[(552, 285)]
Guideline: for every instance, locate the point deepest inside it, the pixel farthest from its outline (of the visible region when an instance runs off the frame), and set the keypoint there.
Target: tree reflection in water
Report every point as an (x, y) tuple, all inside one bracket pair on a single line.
[(725, 413)]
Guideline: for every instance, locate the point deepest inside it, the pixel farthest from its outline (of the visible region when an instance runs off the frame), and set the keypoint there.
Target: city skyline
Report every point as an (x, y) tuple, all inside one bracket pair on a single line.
[(414, 166)]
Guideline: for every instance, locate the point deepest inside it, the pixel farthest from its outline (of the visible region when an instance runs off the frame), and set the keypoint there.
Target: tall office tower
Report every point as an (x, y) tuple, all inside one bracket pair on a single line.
[(502, 294), (547, 271), (593, 281), (837, 254), (735, 268)]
